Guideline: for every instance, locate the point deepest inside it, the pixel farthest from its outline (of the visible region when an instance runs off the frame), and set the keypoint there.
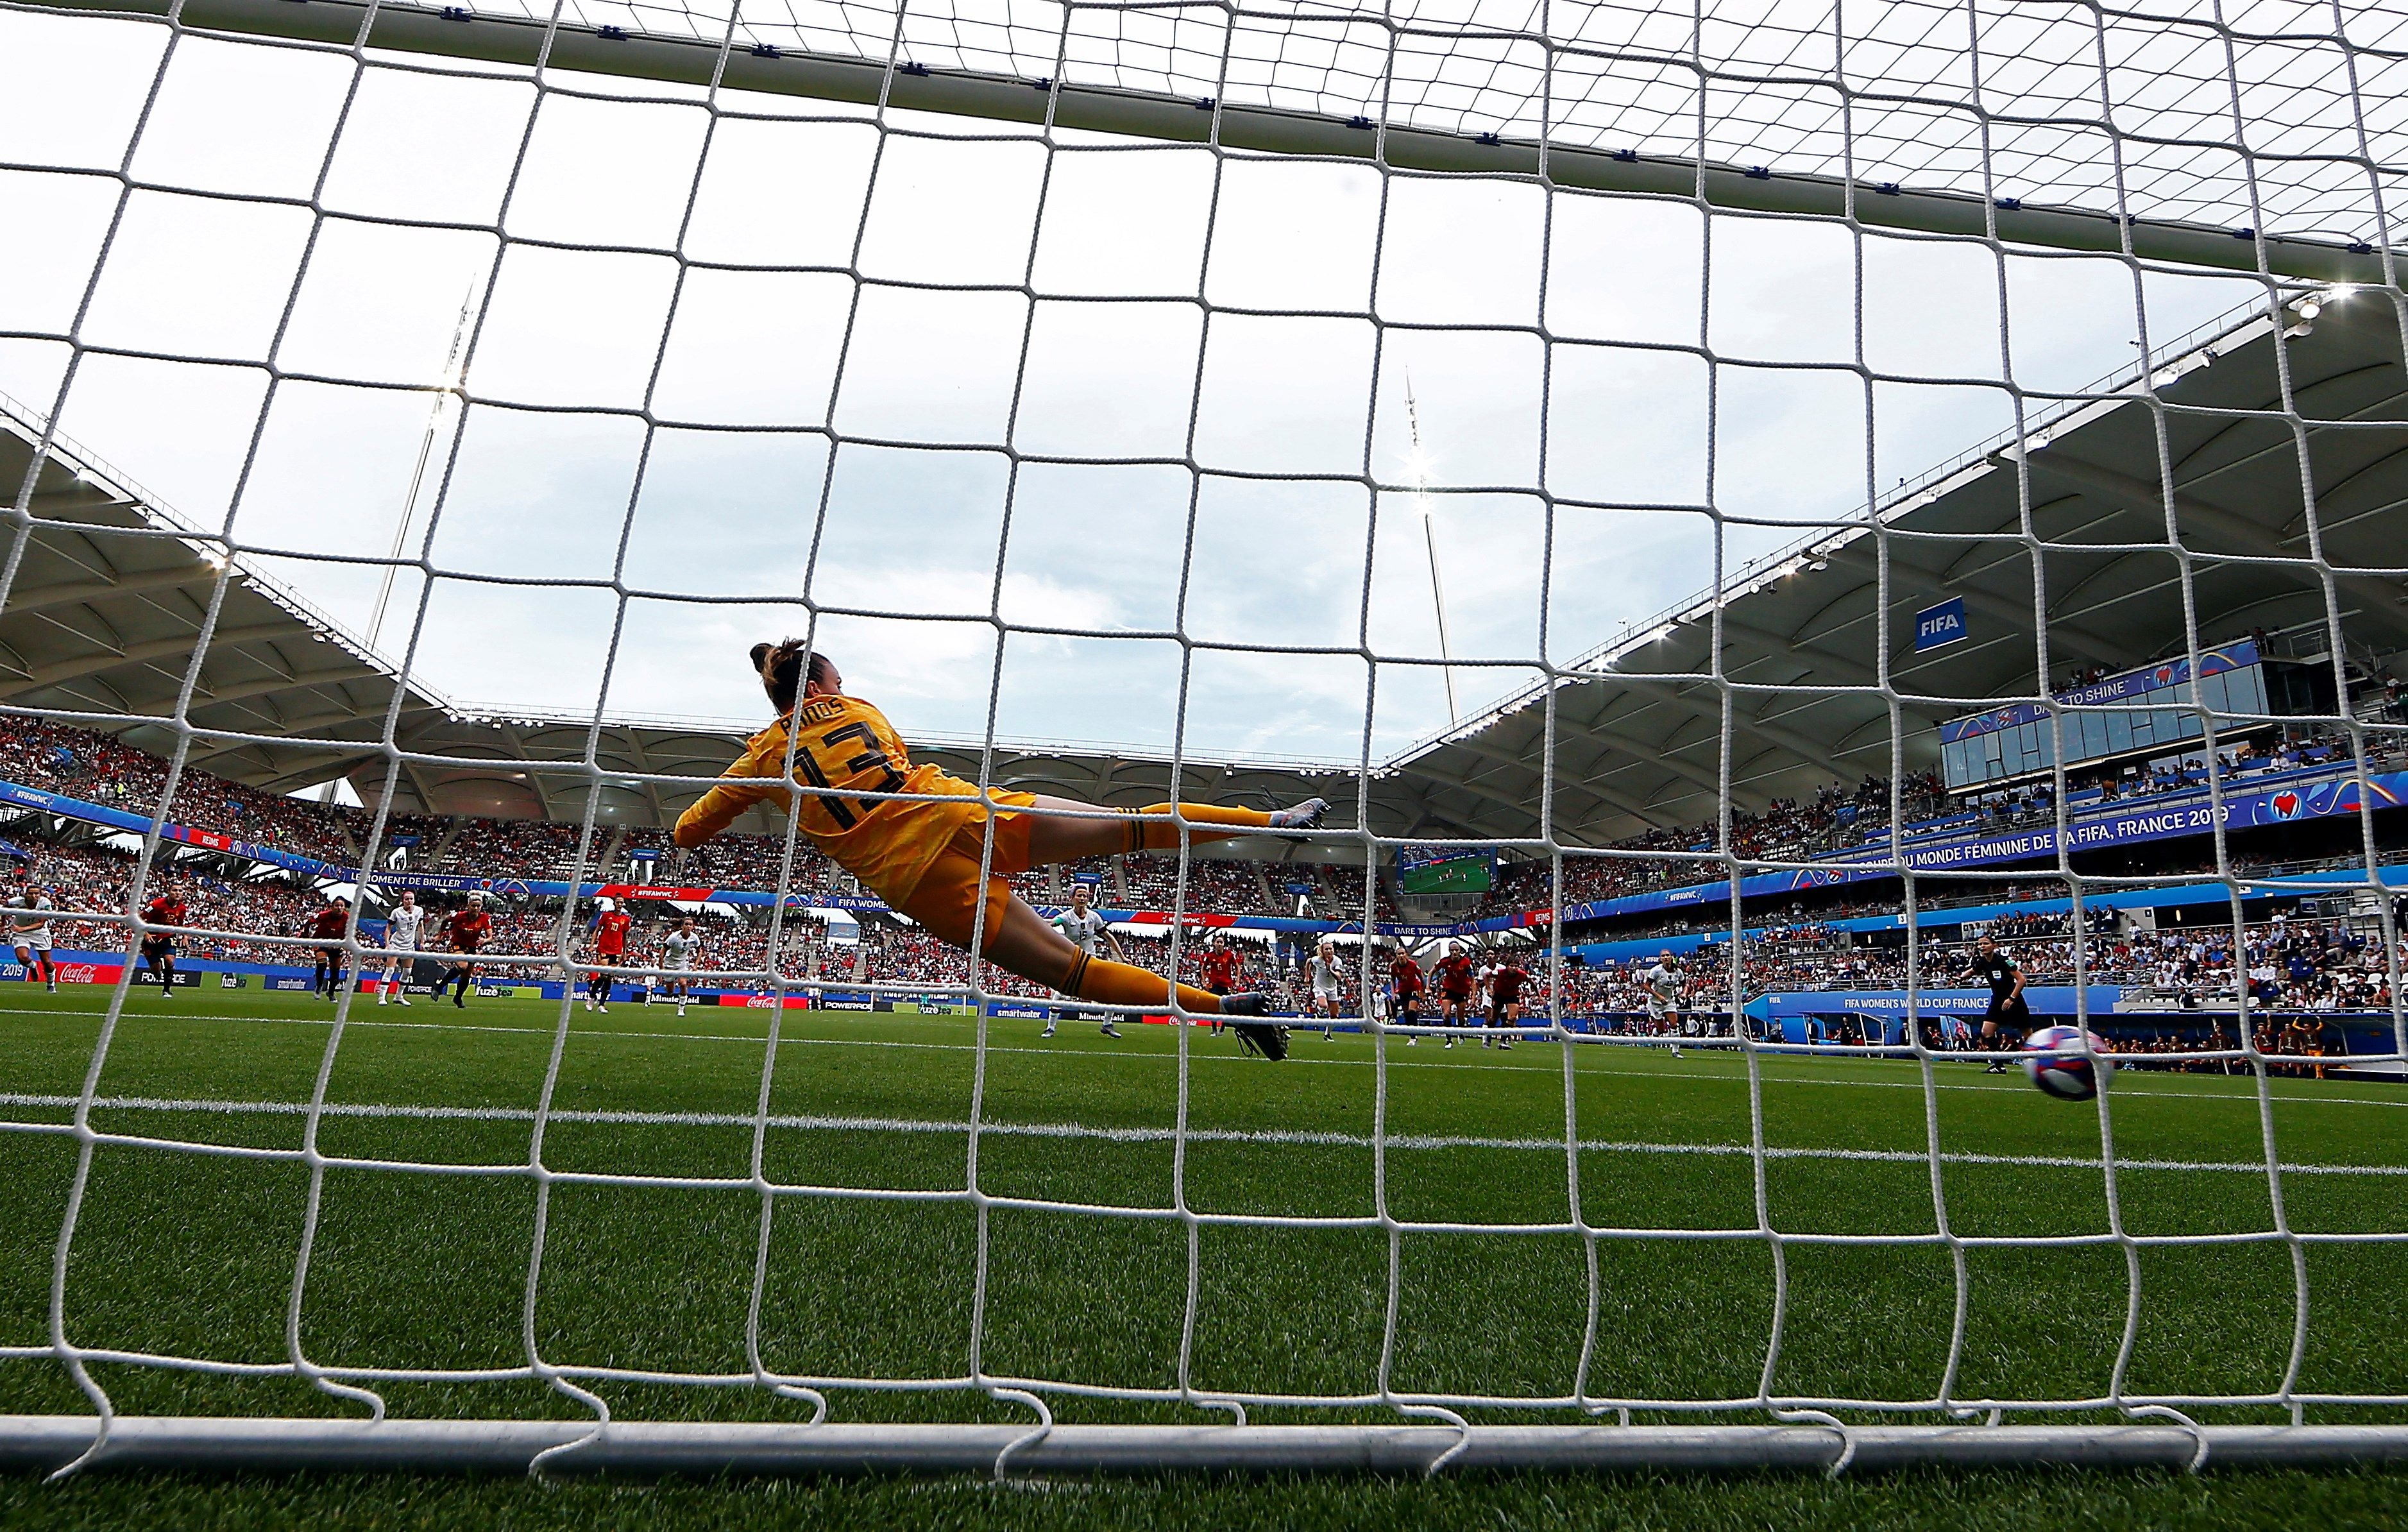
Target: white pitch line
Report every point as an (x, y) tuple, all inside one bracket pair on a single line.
[(1595, 1058), (1291, 1137)]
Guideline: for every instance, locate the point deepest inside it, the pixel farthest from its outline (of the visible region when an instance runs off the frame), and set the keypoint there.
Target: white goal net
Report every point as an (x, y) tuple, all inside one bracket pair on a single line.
[(1746, 512)]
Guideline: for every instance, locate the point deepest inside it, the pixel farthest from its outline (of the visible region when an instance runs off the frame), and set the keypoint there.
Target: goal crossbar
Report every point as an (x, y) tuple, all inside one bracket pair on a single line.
[(646, 1449), (1271, 130)]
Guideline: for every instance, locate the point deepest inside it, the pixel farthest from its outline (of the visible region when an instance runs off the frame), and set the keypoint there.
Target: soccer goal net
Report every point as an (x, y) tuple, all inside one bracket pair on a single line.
[(1818, 555)]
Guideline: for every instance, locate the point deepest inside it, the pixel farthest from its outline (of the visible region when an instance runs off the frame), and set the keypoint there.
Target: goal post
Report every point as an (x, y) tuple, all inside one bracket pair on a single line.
[(894, 458), (740, 1449)]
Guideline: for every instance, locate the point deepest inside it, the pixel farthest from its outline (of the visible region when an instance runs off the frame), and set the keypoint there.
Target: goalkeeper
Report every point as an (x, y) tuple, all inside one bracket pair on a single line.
[(923, 858)]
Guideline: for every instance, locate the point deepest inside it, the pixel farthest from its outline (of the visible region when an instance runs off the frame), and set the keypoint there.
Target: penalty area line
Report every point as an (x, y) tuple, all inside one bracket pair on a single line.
[(1297, 1138)]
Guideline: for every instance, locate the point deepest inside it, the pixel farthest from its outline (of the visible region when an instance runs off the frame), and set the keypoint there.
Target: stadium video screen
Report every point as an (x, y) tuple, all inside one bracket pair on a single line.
[(1446, 869)]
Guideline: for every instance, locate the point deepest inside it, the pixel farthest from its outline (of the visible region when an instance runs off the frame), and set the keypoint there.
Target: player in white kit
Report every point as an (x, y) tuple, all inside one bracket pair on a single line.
[(678, 952), (402, 924), (1089, 932), (29, 916), (1661, 984), (1328, 984)]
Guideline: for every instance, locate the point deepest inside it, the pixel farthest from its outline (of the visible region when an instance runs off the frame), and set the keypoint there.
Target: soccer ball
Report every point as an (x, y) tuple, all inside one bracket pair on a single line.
[(2054, 1059)]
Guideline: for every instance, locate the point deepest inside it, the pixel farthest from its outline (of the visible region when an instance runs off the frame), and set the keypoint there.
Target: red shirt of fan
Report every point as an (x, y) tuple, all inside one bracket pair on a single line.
[(328, 923), (468, 928), (611, 934), (1220, 968), (1453, 976), (1406, 975)]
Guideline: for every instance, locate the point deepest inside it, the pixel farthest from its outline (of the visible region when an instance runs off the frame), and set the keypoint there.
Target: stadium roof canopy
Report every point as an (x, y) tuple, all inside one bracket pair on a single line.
[(114, 590), (1809, 648)]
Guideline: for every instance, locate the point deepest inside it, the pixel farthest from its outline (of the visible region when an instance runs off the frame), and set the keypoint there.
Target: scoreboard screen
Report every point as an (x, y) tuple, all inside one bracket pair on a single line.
[(1446, 869)]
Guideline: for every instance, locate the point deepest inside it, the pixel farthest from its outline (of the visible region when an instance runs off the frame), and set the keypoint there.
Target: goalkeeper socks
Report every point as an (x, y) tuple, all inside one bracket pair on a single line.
[(1119, 984), (1162, 834)]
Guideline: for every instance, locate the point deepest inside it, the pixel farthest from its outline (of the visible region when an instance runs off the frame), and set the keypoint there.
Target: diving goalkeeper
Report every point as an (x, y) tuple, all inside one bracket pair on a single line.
[(923, 858)]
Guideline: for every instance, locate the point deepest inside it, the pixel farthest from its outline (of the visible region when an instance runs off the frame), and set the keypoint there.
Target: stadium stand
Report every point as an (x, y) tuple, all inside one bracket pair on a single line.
[(2292, 964)]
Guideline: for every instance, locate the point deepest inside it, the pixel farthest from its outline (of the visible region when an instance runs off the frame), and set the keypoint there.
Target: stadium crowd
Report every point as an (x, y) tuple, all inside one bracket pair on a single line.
[(2298, 970), (2288, 964), (2326, 964), (97, 768), (1839, 820), (1838, 817)]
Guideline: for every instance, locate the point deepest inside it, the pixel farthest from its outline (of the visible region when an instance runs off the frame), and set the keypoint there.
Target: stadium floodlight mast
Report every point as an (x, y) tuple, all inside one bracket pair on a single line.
[(2197, 195), (447, 388)]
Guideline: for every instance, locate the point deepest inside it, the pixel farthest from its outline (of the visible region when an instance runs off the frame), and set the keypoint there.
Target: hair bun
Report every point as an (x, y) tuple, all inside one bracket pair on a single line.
[(761, 653)]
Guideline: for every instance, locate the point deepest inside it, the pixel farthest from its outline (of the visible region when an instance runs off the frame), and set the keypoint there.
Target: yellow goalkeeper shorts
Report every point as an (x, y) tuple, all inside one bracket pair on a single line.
[(949, 893)]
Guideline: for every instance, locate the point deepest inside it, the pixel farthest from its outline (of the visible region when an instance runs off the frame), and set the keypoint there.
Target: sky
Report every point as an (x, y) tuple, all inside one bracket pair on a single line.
[(706, 531)]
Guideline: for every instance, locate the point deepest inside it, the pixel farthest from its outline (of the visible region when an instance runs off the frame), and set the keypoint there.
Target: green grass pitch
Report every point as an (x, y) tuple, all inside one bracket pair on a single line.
[(191, 1254)]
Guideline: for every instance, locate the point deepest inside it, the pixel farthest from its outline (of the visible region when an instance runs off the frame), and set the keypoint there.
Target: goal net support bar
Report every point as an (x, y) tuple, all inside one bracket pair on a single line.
[(639, 1448), (514, 41)]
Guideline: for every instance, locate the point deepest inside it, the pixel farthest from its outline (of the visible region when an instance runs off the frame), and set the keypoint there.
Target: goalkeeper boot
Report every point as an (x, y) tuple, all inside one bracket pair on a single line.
[(1269, 1039)]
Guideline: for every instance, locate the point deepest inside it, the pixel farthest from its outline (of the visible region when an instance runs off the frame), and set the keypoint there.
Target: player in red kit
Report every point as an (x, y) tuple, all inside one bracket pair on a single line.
[(326, 963), (467, 930), (1505, 998), (1452, 976), (1405, 988), (168, 908), (1220, 968), (609, 948)]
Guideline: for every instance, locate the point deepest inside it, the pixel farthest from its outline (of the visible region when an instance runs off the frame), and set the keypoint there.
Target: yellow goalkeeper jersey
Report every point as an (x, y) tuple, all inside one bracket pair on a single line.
[(847, 747)]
